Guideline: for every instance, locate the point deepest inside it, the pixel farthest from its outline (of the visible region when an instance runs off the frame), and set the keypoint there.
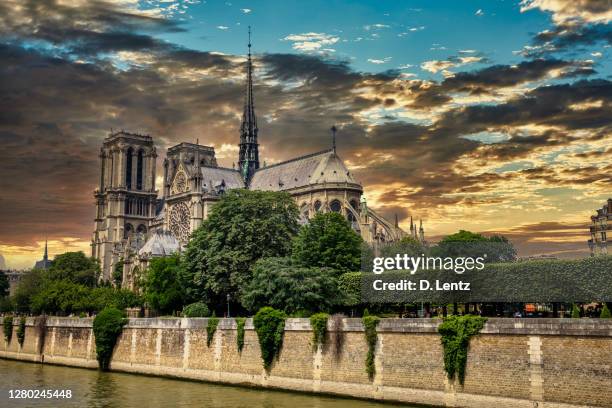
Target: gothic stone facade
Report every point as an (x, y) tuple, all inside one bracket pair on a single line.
[(128, 212)]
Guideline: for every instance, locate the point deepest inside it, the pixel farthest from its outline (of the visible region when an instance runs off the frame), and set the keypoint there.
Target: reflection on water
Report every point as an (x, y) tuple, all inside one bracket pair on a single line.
[(91, 388)]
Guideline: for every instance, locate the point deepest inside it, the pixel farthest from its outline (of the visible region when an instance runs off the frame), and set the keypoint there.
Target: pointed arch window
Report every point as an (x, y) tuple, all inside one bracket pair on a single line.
[(128, 168), (139, 169)]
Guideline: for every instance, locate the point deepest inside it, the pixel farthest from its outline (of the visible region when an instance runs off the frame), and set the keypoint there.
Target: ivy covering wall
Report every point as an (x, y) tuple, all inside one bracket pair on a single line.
[(456, 332)]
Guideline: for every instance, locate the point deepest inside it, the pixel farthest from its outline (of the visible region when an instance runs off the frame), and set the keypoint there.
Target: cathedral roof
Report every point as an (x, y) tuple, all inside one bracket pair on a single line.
[(316, 168), (229, 178), (161, 243)]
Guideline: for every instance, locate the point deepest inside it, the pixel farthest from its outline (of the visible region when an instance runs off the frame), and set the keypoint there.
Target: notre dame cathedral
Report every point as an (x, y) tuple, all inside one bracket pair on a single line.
[(132, 224)]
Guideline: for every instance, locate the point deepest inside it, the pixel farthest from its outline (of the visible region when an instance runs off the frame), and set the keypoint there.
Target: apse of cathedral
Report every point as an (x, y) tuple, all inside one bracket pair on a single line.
[(133, 224)]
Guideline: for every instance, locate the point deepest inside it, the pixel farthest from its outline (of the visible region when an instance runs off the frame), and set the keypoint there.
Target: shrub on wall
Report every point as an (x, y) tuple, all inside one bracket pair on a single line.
[(605, 312), (369, 326), (8, 328), (240, 322), (197, 309), (211, 328), (21, 331), (270, 326), (318, 322), (456, 332), (107, 326)]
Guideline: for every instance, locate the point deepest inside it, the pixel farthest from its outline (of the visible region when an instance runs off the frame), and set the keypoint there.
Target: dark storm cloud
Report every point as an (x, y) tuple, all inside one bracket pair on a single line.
[(491, 79), (569, 38), (546, 105), (91, 28)]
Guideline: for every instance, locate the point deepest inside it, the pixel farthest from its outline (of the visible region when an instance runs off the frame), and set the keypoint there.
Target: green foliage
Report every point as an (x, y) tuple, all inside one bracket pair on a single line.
[(103, 297), (65, 297), (468, 244), (162, 289), (8, 328), (74, 267), (279, 283), (550, 280), (240, 322), (118, 273), (211, 328), (197, 309), (407, 245), (4, 285), (318, 322), (270, 326), (605, 312), (369, 326), (328, 241), (21, 329), (349, 287), (107, 327), (575, 312), (243, 227), (29, 285), (456, 332), (60, 297), (6, 304)]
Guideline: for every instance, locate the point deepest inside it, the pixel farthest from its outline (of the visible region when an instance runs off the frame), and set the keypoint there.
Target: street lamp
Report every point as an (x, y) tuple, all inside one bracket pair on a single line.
[(228, 304)]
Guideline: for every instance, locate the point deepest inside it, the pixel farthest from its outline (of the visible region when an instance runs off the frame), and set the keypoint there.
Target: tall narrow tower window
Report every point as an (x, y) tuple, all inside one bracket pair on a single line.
[(139, 169), (128, 168)]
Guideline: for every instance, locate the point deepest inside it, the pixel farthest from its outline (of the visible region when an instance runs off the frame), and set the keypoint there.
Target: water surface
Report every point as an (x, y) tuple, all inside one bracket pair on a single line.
[(91, 388)]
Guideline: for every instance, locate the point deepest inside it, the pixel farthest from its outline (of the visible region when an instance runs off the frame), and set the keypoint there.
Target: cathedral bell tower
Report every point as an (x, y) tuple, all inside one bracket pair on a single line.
[(248, 159), (126, 197)]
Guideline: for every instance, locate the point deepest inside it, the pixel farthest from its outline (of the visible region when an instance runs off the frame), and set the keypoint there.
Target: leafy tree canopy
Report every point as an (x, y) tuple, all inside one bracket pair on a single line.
[(278, 283), (162, 289), (64, 297), (4, 285), (74, 267), (469, 244), (29, 285), (328, 241), (60, 297), (243, 226), (407, 245)]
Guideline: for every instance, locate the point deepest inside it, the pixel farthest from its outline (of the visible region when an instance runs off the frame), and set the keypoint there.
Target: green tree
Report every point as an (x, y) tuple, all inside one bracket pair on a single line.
[(243, 226), (328, 241), (4, 285), (60, 297), (74, 267), (197, 309), (105, 297), (605, 312), (469, 244), (407, 245), (162, 289), (575, 312), (278, 283), (30, 284), (107, 327), (118, 273)]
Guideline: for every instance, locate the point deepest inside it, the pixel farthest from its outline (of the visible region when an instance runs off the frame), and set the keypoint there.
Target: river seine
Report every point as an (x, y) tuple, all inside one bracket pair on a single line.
[(90, 388)]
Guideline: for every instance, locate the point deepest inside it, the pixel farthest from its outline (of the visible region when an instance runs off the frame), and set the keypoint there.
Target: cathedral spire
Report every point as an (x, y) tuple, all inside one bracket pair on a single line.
[(248, 160), (46, 255), (334, 130)]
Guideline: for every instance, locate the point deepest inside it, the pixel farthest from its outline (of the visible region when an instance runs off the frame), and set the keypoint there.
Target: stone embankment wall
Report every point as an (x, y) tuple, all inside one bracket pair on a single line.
[(512, 363)]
